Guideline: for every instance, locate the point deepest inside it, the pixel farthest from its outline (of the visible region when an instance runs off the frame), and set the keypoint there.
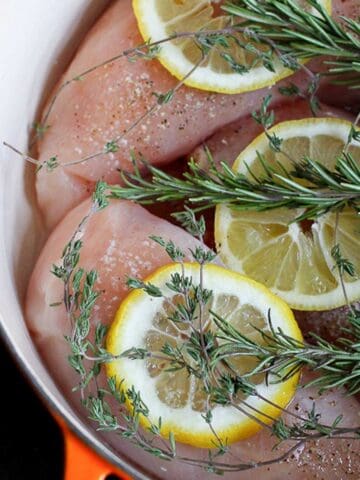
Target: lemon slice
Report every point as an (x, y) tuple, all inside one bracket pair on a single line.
[(176, 396), (294, 259), (159, 19)]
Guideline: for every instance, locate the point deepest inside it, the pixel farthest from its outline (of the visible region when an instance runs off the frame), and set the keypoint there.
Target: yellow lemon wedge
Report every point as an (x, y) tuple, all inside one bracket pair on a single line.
[(160, 19), (294, 259), (177, 396)]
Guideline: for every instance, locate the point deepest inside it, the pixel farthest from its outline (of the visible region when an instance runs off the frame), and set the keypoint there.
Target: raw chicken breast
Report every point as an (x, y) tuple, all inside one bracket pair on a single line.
[(94, 111), (116, 243), (228, 142)]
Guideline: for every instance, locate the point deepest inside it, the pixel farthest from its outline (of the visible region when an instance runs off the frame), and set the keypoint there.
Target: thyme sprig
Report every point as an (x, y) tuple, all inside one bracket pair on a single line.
[(204, 353)]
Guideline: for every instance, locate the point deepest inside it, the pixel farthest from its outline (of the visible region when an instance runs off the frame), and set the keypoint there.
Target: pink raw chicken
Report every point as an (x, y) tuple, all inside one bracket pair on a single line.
[(94, 111), (116, 243), (228, 142)]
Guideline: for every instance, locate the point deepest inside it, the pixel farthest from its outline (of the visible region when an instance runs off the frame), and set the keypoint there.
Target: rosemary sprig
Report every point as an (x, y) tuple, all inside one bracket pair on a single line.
[(301, 33), (272, 188), (327, 189)]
